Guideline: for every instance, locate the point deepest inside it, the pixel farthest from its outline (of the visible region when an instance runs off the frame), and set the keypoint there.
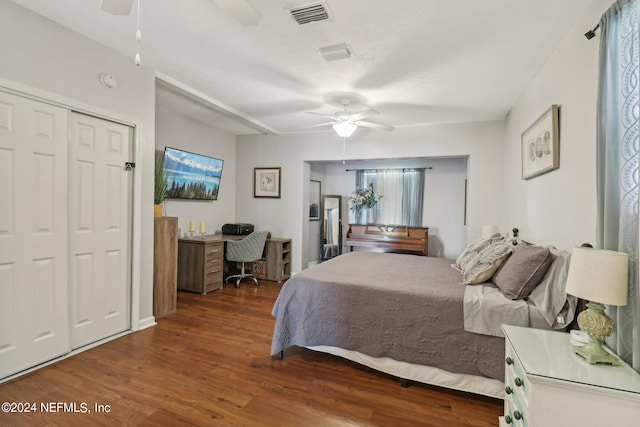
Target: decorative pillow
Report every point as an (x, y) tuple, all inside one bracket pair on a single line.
[(474, 248), (484, 264), (523, 271)]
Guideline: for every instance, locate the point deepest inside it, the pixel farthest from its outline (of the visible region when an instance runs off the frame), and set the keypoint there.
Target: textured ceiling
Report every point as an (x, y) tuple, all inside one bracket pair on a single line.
[(415, 61)]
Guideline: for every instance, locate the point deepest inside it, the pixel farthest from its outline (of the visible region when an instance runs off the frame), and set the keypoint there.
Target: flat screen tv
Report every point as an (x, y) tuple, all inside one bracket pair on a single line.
[(191, 176)]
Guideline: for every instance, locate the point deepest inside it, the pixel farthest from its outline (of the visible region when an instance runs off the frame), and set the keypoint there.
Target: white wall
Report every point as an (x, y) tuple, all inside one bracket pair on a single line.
[(559, 207), (177, 131), (41, 54), (286, 217)]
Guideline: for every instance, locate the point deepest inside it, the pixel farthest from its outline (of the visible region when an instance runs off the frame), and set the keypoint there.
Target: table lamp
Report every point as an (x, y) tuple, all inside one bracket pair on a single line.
[(489, 230), (601, 277)]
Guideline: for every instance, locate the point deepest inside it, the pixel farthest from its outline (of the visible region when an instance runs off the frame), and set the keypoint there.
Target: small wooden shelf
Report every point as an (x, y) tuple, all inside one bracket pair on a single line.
[(276, 264)]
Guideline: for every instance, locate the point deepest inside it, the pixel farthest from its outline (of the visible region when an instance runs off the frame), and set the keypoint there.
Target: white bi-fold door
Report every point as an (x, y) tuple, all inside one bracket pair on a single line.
[(65, 231), (100, 189), (34, 323)]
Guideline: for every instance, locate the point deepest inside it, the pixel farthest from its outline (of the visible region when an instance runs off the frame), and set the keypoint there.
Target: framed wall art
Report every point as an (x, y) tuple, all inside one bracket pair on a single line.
[(540, 145), (266, 182)]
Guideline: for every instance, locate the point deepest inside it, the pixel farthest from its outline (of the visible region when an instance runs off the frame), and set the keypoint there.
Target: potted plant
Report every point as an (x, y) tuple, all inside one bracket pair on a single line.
[(161, 183), (366, 200)]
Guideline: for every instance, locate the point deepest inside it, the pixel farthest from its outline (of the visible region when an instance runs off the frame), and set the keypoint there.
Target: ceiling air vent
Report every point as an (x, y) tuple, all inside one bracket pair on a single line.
[(309, 13)]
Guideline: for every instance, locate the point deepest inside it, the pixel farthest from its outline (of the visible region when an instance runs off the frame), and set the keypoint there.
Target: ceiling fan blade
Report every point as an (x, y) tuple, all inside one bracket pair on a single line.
[(363, 115), (320, 114), (242, 11), (116, 7), (374, 126), (321, 124)]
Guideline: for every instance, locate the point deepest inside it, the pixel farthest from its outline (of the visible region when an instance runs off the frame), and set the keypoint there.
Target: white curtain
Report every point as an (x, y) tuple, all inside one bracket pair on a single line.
[(389, 208), (618, 131), (402, 195)]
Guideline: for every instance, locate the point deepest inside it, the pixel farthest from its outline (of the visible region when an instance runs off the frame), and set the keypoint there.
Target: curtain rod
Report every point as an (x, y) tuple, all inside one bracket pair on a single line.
[(591, 33), (389, 169)]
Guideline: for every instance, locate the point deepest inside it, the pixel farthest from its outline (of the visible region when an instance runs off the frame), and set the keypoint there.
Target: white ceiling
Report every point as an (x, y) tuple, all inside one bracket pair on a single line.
[(415, 61)]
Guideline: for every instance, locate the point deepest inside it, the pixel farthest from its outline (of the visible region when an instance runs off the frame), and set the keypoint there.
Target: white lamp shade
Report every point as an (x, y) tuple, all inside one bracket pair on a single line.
[(344, 129), (489, 230), (598, 275)]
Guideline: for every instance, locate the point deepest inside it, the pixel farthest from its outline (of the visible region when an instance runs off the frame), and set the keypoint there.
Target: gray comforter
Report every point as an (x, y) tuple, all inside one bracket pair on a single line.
[(406, 307)]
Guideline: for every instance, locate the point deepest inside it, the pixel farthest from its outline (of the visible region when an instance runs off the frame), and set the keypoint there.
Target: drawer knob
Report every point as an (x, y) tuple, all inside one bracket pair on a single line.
[(507, 419), (509, 361), (517, 415), (519, 382), (508, 390)]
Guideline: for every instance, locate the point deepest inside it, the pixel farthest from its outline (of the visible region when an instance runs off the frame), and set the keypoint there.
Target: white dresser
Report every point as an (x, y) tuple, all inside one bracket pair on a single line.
[(548, 385)]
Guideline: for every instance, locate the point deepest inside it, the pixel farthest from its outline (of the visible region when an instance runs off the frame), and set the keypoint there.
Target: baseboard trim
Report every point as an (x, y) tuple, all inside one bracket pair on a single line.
[(147, 323)]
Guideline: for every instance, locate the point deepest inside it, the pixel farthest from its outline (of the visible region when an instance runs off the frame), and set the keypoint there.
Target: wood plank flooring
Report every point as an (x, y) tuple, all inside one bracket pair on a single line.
[(208, 364)]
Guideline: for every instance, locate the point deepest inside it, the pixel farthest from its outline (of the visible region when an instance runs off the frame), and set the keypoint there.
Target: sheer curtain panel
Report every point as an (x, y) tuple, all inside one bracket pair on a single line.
[(617, 143)]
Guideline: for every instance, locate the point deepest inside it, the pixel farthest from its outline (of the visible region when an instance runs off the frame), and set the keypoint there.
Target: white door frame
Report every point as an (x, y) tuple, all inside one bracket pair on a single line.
[(81, 107)]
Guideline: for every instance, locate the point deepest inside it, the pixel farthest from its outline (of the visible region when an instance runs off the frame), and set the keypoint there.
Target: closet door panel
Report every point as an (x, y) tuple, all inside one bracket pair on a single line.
[(33, 233), (100, 192)]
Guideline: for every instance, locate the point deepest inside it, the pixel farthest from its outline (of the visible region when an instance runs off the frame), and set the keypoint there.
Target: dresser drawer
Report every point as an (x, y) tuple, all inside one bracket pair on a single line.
[(513, 416), (515, 371), (516, 399)]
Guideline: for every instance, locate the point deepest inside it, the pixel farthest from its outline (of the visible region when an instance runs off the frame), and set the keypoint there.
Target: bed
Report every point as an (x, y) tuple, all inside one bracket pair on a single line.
[(405, 315)]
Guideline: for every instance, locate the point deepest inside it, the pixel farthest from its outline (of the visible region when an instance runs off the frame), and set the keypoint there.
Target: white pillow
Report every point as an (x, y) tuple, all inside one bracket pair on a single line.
[(474, 248), (483, 266)]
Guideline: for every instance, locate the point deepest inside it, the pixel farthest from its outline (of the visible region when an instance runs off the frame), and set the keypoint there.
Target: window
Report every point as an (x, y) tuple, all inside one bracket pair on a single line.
[(402, 193)]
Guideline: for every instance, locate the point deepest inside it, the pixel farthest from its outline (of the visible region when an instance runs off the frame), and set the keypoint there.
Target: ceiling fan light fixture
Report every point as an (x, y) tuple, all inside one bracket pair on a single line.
[(344, 129), (335, 52)]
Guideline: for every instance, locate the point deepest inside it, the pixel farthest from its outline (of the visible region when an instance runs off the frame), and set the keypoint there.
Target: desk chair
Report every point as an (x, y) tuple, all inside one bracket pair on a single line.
[(246, 250)]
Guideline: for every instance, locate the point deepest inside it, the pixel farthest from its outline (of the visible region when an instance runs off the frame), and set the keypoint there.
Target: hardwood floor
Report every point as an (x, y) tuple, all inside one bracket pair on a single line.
[(208, 364)]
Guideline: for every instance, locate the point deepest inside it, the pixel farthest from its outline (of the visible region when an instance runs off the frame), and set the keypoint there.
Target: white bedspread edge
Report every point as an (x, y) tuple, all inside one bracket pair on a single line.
[(423, 374)]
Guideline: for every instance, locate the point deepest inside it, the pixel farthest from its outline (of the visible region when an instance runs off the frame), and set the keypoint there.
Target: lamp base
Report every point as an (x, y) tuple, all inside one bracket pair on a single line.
[(608, 358), (595, 322)]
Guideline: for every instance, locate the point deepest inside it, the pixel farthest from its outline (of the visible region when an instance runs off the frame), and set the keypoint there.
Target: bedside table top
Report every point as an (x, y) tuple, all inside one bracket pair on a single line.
[(550, 354)]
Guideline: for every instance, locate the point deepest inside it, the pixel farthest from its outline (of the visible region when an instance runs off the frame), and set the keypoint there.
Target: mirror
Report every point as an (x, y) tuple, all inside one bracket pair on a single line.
[(331, 237)]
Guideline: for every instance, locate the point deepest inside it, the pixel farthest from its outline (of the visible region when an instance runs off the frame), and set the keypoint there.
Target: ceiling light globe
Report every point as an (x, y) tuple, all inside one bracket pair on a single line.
[(344, 129)]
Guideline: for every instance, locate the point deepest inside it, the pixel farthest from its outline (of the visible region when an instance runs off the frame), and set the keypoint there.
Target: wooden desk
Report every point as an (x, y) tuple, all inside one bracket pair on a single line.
[(201, 261), (388, 238)]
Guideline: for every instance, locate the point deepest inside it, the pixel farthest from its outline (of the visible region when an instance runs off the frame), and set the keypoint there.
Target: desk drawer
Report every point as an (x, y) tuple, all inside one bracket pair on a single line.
[(213, 252)]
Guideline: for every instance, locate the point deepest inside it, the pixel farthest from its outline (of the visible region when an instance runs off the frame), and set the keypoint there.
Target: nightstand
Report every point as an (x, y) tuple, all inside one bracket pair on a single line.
[(547, 384)]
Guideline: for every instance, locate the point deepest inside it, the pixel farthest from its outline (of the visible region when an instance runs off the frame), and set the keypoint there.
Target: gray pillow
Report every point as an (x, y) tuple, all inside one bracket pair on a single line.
[(523, 271)]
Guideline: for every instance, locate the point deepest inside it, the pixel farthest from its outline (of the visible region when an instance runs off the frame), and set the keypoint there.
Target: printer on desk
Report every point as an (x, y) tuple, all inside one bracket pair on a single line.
[(237, 229)]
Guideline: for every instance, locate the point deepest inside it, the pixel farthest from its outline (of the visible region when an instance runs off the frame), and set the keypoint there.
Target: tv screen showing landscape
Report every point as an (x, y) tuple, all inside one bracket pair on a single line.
[(191, 176)]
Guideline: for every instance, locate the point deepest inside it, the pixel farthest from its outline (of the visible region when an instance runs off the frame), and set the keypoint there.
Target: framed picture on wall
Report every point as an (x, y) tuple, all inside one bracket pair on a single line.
[(266, 182), (540, 145)]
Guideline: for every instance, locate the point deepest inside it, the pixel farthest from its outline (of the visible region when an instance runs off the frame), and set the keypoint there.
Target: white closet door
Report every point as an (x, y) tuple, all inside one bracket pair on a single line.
[(34, 324), (100, 192)]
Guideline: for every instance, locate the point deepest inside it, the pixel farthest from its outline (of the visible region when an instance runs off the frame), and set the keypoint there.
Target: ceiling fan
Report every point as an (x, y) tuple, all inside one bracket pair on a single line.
[(345, 123), (241, 11)]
